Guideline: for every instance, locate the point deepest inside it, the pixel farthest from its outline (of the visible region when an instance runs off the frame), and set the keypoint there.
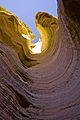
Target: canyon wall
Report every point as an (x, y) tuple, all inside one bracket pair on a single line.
[(43, 86)]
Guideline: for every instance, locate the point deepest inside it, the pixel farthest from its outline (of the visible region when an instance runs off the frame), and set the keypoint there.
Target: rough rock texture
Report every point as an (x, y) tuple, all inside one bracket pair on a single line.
[(43, 86)]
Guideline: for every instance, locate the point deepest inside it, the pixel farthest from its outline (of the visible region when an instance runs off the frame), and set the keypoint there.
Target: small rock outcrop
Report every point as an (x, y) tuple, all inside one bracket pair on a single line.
[(43, 86)]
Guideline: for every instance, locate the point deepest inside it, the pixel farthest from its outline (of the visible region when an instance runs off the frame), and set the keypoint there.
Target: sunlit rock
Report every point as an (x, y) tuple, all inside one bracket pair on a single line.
[(36, 47), (26, 36)]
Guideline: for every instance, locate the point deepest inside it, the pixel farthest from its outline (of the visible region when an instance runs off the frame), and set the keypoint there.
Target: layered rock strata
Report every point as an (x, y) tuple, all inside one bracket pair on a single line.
[(43, 86)]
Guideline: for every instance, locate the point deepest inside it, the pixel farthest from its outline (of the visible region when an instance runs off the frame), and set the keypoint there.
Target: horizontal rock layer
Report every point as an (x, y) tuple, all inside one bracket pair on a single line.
[(42, 86)]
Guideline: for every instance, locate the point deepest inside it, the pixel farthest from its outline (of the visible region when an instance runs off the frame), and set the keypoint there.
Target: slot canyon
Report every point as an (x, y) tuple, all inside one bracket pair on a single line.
[(43, 85)]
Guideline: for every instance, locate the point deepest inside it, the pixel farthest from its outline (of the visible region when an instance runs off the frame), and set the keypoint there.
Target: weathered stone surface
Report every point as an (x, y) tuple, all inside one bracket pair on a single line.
[(42, 86)]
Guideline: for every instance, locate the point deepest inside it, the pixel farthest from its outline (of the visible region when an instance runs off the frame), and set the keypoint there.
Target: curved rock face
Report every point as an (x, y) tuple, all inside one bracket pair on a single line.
[(42, 86)]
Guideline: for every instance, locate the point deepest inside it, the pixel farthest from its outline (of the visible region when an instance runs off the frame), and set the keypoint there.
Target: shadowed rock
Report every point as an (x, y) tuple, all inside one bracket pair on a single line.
[(43, 86)]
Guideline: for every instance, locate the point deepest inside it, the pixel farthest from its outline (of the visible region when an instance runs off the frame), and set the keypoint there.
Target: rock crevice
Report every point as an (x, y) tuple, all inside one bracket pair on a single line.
[(43, 86)]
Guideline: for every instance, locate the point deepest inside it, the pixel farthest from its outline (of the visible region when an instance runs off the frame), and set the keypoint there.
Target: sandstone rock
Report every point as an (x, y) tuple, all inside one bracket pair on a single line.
[(42, 86)]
